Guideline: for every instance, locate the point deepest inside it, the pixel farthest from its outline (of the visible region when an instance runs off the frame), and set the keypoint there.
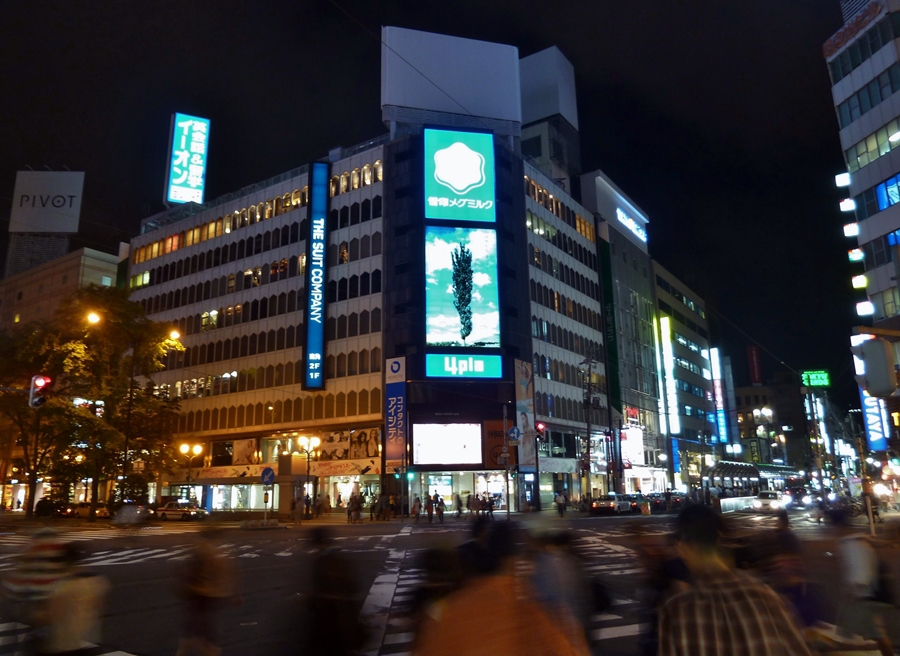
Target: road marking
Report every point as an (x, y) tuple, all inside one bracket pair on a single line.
[(610, 632), (377, 606), (605, 617)]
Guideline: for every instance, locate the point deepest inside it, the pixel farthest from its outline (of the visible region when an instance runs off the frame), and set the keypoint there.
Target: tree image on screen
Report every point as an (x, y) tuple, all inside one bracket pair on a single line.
[(462, 289)]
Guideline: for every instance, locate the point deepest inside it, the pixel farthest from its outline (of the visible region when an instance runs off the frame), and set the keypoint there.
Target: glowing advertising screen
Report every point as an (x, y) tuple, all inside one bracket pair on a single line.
[(459, 176), (187, 159), (317, 247), (665, 335), (439, 365), (719, 389), (632, 445), (636, 228), (462, 306), (396, 414), (438, 444), (815, 378)]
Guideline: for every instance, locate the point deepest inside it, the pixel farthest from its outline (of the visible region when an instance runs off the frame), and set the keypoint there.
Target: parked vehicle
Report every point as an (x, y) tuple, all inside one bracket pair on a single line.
[(83, 510), (131, 514), (52, 508), (176, 510)]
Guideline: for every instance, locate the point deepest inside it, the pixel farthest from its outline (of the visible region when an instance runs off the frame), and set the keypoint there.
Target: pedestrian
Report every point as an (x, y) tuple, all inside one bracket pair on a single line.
[(417, 508), (440, 510), (319, 504), (468, 505), (724, 612), (392, 507), (560, 503), (429, 508), (296, 513), (350, 505), (668, 498), (875, 502), (489, 505), (207, 582), (307, 504), (328, 504), (706, 496), (382, 506), (70, 615), (457, 504)]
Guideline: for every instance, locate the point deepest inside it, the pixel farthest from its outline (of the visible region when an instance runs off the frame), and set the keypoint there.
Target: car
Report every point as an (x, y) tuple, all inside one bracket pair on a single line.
[(767, 501), (176, 510), (83, 510), (52, 508), (613, 504), (792, 498)]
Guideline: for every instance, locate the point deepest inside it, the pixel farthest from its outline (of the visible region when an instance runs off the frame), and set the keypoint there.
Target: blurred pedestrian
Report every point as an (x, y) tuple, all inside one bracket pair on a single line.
[(207, 583), (429, 508), (725, 612), (457, 503), (328, 504), (784, 570), (489, 505), (417, 508), (668, 499), (440, 510), (296, 512), (333, 628), (70, 615), (516, 623), (560, 504), (561, 585)]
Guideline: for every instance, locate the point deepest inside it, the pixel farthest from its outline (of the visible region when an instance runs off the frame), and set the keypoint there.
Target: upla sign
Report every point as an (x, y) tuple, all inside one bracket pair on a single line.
[(47, 201)]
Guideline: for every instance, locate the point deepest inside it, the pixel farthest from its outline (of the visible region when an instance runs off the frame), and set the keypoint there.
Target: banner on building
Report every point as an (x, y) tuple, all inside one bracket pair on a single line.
[(493, 443), (316, 277), (396, 417), (525, 415), (243, 452), (875, 417), (755, 364)]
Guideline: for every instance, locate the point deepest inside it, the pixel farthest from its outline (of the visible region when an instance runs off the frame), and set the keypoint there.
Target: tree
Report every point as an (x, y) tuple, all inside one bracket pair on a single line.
[(26, 351), (462, 288), (120, 344)]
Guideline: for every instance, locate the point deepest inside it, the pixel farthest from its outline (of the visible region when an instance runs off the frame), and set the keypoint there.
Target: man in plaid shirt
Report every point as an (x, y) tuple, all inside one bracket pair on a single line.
[(725, 612)]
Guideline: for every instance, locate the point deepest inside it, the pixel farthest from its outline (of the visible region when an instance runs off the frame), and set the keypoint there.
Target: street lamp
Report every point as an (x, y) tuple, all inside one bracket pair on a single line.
[(190, 452), (308, 446)]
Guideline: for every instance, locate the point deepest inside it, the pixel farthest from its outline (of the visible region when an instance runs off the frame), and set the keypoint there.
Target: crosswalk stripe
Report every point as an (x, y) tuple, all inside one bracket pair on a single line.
[(610, 632)]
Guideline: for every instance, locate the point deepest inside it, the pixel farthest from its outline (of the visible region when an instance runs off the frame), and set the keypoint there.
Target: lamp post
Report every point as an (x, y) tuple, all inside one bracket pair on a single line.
[(190, 452), (308, 446)]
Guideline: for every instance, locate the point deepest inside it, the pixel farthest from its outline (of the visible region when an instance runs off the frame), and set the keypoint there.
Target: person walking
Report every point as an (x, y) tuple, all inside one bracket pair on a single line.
[(440, 510), (724, 612), (429, 508), (668, 499), (296, 512), (307, 505), (560, 504), (457, 503), (207, 582), (489, 505), (328, 504), (417, 509)]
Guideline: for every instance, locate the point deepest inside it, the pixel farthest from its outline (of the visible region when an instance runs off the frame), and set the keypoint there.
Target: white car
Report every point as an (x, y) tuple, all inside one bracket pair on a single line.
[(767, 502), (614, 504), (83, 510), (175, 510)]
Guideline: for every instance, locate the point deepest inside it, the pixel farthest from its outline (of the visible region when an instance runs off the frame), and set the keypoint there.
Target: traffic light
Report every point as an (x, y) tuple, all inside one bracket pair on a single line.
[(37, 393), (410, 476), (874, 364), (539, 427)]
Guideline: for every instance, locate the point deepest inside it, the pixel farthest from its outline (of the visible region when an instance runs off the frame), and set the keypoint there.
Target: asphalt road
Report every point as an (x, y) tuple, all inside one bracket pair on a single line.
[(144, 615)]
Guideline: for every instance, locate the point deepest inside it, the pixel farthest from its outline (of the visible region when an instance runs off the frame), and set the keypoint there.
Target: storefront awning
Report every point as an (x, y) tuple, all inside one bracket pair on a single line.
[(733, 470)]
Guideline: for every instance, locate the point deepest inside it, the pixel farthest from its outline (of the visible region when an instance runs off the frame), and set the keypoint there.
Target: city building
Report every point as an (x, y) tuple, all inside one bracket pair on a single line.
[(862, 60), (389, 347), (627, 276), (686, 378)]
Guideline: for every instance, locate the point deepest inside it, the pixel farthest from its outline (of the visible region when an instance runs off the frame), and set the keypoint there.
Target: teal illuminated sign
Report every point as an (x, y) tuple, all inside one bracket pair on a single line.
[(463, 366), (187, 159), (459, 176)]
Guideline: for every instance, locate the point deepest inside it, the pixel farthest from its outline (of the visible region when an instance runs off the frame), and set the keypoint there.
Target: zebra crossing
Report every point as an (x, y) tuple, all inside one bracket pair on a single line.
[(19, 538), (15, 640)]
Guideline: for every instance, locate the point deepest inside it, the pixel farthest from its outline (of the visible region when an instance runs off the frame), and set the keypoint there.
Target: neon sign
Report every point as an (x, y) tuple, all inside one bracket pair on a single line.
[(632, 225)]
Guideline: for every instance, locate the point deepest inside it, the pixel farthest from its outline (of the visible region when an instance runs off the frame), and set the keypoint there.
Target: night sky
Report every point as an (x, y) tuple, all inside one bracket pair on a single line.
[(715, 117)]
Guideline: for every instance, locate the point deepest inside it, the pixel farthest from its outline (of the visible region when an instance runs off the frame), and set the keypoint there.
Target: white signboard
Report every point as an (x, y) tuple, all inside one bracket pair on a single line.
[(47, 201)]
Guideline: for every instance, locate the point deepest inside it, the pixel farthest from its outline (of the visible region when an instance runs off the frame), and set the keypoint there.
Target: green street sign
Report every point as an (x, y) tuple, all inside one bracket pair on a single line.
[(459, 176), (815, 378)]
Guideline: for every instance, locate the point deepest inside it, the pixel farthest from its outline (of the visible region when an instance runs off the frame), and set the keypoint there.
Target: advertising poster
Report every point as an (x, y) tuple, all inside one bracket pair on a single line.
[(350, 444), (462, 304), (395, 412), (458, 444), (244, 452), (187, 159), (459, 175), (493, 445), (525, 415)]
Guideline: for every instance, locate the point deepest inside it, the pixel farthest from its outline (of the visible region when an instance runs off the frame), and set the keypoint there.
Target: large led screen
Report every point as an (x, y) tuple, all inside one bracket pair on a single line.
[(446, 444), (459, 176), (187, 159), (461, 300)]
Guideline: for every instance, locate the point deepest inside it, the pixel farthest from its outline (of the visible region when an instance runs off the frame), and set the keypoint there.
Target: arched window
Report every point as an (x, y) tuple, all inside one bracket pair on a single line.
[(345, 217), (379, 171), (354, 214), (352, 364), (364, 247), (353, 321), (308, 408), (366, 211), (363, 402), (341, 365), (343, 253), (376, 281), (354, 287), (334, 186), (364, 322), (329, 406), (364, 361), (319, 408), (354, 179), (376, 360), (329, 366), (376, 207), (364, 284), (340, 405), (376, 323), (351, 404), (342, 327), (345, 182), (366, 175), (330, 328)]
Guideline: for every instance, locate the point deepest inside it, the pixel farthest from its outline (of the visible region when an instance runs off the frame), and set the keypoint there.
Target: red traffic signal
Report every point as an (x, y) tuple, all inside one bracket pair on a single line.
[(539, 427), (39, 387)]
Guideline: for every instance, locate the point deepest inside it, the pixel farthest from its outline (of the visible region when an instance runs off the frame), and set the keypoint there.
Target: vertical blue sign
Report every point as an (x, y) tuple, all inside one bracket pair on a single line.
[(395, 413), (875, 417), (316, 248), (187, 159), (676, 457)]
